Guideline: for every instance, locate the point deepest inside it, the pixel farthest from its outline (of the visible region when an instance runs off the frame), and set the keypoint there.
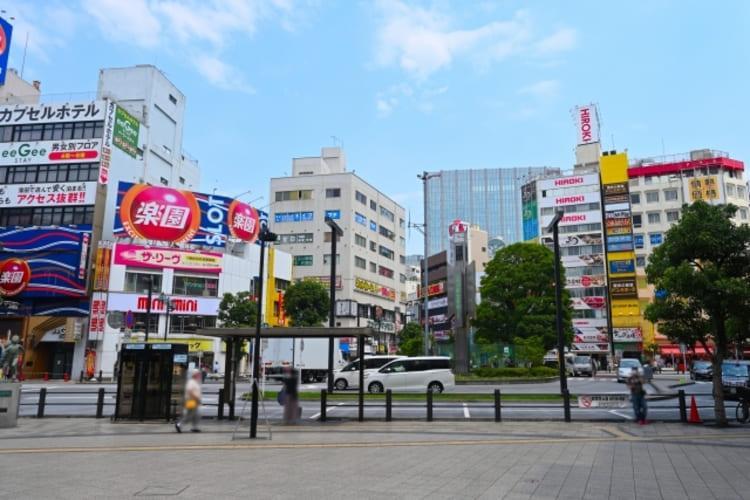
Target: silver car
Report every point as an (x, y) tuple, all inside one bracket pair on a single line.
[(625, 369), (583, 365)]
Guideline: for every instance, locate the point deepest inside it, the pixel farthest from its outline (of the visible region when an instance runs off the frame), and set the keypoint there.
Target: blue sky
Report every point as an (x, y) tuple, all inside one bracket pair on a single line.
[(410, 86)]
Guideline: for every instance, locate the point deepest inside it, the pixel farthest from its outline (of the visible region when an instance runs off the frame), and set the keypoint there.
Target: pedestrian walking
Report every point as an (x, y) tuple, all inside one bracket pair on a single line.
[(193, 396), (216, 366), (290, 399), (637, 396)]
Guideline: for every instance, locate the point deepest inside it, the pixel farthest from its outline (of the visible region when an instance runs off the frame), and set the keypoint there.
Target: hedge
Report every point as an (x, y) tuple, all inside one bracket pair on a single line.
[(536, 371)]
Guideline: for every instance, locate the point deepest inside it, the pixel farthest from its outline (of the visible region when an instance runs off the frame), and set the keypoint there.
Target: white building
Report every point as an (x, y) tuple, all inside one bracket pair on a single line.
[(371, 262)]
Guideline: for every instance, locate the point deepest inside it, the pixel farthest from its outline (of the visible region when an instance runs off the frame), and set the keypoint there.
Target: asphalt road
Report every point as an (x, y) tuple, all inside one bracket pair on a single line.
[(66, 399)]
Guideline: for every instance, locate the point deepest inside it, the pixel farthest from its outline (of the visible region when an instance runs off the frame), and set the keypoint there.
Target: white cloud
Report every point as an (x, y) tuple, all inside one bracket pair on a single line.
[(221, 74), (132, 21), (212, 22), (544, 89), (420, 96), (422, 41), (385, 105)]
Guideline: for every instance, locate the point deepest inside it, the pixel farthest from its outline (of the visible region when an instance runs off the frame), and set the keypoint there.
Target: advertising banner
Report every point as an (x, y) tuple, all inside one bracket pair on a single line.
[(43, 262), (604, 401), (46, 152), (566, 182), (589, 347), (621, 266), (159, 213), (582, 260), (621, 334), (584, 303), (98, 318), (576, 240), (590, 217), (570, 199), (47, 195), (293, 217), (587, 124), (616, 189), (433, 289), (584, 281), (589, 322), (369, 287), (102, 265), (703, 188), (109, 125), (436, 303), (590, 335), (6, 33), (125, 132), (190, 306), (21, 114), (623, 288), (172, 258)]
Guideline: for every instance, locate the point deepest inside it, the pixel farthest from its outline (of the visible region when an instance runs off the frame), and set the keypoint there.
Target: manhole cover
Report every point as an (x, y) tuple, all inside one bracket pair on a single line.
[(161, 491)]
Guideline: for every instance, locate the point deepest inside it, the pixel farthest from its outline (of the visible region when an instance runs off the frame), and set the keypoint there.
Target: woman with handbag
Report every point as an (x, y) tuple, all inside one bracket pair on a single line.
[(193, 395)]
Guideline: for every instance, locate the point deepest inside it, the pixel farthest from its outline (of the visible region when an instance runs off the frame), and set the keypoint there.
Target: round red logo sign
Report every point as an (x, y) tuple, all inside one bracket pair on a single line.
[(14, 276), (160, 214), (243, 221)]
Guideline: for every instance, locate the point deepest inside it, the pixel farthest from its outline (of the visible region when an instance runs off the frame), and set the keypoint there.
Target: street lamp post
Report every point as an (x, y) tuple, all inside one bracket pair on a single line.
[(148, 303), (168, 307), (554, 227), (336, 231), (265, 236), (424, 177)]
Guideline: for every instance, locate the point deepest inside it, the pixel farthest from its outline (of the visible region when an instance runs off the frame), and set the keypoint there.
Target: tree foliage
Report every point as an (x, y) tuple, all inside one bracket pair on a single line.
[(307, 303), (518, 297), (238, 310), (702, 274), (530, 350), (411, 340)]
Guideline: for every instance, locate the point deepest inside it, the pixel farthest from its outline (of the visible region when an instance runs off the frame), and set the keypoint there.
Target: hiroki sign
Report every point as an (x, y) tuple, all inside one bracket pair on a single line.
[(159, 213)]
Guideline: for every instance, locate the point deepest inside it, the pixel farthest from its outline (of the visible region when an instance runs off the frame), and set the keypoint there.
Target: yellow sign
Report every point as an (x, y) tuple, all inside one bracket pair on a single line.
[(194, 344), (703, 188)]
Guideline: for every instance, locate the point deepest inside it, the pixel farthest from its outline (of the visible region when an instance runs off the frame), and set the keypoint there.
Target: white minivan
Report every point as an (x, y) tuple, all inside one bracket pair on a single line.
[(348, 376), (412, 375)]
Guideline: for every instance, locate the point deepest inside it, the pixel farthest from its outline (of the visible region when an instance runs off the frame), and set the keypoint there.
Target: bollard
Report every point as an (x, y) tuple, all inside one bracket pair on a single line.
[(100, 403), (566, 405), (683, 406), (323, 404), (42, 400), (498, 415), (429, 405), (80, 379), (388, 403), (220, 415)]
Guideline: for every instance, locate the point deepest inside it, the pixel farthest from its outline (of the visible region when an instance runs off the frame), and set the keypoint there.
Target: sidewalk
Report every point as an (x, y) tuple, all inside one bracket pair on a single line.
[(89, 458)]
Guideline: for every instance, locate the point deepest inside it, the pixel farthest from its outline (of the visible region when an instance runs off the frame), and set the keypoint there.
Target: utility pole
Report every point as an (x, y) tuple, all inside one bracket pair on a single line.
[(554, 227), (424, 177), (336, 232)]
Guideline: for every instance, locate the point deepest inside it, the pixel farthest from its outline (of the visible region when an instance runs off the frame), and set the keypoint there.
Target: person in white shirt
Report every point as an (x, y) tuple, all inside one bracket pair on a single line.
[(193, 396)]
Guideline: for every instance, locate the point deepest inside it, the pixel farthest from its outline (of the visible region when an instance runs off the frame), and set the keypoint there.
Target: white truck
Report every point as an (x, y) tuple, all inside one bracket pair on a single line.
[(310, 356)]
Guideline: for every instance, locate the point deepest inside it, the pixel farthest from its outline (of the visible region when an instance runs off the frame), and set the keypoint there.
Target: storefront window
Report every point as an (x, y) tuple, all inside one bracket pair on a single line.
[(139, 282), (190, 324), (140, 323), (196, 286)]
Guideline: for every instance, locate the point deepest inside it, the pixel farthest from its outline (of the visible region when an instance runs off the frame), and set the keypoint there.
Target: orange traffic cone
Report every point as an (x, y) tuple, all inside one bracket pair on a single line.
[(694, 417)]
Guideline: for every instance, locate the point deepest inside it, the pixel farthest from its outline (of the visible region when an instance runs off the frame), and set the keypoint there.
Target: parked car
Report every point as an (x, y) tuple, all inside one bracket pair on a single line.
[(412, 375), (348, 376), (582, 365), (734, 376), (701, 370), (625, 368)]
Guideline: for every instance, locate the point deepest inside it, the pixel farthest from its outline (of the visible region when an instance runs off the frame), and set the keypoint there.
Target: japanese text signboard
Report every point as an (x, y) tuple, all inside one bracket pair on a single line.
[(125, 133), (109, 121), (45, 152), (47, 195), (21, 114), (172, 258), (158, 213)]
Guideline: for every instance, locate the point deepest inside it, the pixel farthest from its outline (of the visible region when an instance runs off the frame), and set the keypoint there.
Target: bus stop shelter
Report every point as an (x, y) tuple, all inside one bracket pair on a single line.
[(233, 337)]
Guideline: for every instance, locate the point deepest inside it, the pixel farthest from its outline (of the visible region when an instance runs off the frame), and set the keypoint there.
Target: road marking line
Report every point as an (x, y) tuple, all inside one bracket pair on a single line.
[(620, 414), (328, 410), (466, 411)]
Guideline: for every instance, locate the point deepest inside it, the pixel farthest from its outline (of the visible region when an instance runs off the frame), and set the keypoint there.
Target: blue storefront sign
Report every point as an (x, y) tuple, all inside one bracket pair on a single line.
[(621, 266), (293, 217)]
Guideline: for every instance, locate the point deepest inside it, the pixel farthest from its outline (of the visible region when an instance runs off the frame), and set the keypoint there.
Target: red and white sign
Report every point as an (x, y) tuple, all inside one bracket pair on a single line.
[(590, 347), (243, 221), (172, 258), (98, 318), (620, 334), (582, 303), (591, 217), (182, 305), (574, 181), (585, 281), (47, 195), (590, 323), (46, 152), (564, 200), (433, 289), (587, 124), (109, 128), (582, 260), (160, 213), (458, 227), (14, 277)]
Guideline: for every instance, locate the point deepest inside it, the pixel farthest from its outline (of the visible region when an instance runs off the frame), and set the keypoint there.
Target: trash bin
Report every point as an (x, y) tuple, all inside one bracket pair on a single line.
[(10, 398)]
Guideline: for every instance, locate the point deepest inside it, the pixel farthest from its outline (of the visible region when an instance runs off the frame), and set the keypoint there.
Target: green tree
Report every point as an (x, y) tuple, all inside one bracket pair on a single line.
[(518, 297), (307, 303), (530, 350), (238, 310), (411, 340), (702, 275)]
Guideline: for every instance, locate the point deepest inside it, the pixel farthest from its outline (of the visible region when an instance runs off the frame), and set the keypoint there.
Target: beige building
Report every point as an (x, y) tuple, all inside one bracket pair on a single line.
[(371, 255)]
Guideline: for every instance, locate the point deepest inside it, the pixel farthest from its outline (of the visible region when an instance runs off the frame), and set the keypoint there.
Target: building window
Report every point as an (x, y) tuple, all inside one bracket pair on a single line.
[(743, 213), (740, 192), (304, 194), (387, 214), (638, 240), (654, 218), (640, 261), (190, 324), (373, 267), (652, 197), (670, 195), (730, 189), (648, 180), (182, 180), (384, 271), (280, 284), (387, 233), (139, 322), (327, 259), (333, 193), (295, 238), (327, 237), (164, 181), (402, 259), (138, 282), (360, 219), (637, 220), (373, 246), (402, 241), (196, 286), (634, 181), (360, 262), (75, 172), (401, 223), (673, 215), (635, 198), (402, 278), (373, 226), (303, 260), (51, 131), (47, 216), (386, 252), (360, 240), (360, 197), (172, 99)]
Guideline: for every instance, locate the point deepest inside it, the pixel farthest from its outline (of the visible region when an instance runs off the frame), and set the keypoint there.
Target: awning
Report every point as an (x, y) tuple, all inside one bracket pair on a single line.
[(675, 349)]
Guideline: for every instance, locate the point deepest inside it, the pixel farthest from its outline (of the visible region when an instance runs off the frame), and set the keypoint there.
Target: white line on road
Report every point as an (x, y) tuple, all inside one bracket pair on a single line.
[(466, 411), (328, 410), (620, 414)]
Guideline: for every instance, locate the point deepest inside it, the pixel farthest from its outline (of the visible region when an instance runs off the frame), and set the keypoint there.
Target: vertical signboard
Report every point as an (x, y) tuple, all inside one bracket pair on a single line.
[(587, 124), (109, 125), (619, 242), (529, 211), (125, 132), (6, 32)]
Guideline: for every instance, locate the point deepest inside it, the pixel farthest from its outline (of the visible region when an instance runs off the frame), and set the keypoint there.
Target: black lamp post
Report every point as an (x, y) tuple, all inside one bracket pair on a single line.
[(554, 227), (336, 231), (148, 303), (168, 307), (265, 236)]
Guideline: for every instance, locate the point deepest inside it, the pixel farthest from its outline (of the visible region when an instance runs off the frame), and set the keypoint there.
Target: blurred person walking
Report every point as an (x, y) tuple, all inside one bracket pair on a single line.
[(193, 396), (637, 396)]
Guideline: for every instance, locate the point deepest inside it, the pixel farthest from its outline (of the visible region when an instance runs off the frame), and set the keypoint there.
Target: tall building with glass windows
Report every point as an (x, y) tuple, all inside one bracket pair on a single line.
[(489, 198)]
